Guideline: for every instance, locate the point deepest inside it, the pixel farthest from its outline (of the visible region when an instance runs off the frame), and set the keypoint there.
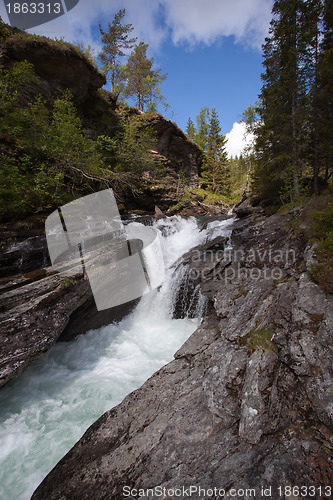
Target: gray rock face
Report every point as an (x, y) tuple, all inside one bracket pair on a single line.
[(247, 401), (40, 307), (34, 310)]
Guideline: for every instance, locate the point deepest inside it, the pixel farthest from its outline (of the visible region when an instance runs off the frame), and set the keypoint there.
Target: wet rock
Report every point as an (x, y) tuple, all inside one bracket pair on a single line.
[(248, 206), (158, 213), (86, 317), (46, 305), (34, 310), (247, 401), (24, 256)]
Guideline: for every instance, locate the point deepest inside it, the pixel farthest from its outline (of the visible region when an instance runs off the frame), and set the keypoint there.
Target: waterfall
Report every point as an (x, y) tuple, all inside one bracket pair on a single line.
[(45, 411)]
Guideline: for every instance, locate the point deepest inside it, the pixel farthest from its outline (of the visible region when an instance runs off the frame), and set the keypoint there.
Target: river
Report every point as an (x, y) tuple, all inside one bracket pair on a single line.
[(46, 411)]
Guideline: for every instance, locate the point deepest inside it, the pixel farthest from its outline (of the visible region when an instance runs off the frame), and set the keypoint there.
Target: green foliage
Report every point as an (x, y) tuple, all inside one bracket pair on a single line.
[(71, 151), (142, 80), (46, 156), (240, 169), (260, 339), (68, 283), (215, 176), (190, 130), (6, 31), (115, 40), (320, 221), (26, 186), (14, 184), (215, 171), (202, 129), (132, 148), (251, 117), (154, 95), (322, 96), (41, 147), (294, 132), (13, 85), (202, 197), (88, 52)]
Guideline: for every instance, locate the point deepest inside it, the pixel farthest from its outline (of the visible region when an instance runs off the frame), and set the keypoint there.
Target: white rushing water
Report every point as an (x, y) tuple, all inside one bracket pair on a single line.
[(45, 411)]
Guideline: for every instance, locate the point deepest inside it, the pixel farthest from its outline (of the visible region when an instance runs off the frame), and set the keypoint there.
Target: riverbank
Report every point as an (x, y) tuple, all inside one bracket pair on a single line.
[(246, 403), (57, 397)]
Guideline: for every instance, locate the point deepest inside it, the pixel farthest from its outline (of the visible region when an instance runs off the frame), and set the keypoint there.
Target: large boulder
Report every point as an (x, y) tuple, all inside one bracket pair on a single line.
[(248, 206)]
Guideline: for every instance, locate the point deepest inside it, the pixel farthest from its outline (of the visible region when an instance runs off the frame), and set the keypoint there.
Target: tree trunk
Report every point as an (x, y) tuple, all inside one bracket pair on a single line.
[(294, 148), (113, 71)]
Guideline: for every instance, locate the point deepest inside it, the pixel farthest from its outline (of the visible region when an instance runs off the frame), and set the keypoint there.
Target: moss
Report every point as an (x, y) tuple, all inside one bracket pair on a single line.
[(298, 202), (241, 293), (69, 282), (293, 225), (259, 339), (321, 224), (327, 449), (208, 197), (317, 318)]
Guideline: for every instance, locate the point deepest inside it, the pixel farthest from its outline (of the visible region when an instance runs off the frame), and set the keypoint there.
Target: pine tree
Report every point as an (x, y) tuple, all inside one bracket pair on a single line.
[(190, 130), (115, 40), (141, 79)]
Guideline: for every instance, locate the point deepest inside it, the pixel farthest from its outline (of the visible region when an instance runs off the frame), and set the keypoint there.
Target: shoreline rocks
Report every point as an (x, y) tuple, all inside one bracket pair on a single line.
[(246, 403)]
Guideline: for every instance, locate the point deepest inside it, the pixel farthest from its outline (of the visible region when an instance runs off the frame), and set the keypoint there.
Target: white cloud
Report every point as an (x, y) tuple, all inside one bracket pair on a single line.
[(77, 24), (237, 139), (195, 21), (187, 21)]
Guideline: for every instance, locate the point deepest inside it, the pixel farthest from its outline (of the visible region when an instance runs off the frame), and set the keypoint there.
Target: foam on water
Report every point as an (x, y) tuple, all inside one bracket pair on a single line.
[(48, 408)]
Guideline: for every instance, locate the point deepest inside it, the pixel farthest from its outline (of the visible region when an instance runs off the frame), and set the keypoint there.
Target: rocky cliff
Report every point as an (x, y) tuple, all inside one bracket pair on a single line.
[(62, 66), (58, 65), (247, 401), (179, 160)]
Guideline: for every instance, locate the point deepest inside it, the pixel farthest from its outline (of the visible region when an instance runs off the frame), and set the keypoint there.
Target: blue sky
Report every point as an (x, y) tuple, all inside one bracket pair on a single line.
[(211, 50)]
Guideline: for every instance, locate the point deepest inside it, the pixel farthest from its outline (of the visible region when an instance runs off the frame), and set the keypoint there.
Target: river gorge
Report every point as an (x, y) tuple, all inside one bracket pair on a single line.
[(234, 354), (46, 411)]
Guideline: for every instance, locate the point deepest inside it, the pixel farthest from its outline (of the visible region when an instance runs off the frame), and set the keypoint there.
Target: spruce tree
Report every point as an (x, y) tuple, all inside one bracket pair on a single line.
[(309, 60), (190, 130), (202, 129), (215, 169), (115, 41), (294, 136), (282, 133), (324, 101)]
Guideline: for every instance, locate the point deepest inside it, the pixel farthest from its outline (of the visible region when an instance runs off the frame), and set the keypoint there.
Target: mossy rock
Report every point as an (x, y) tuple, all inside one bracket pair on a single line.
[(260, 338)]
